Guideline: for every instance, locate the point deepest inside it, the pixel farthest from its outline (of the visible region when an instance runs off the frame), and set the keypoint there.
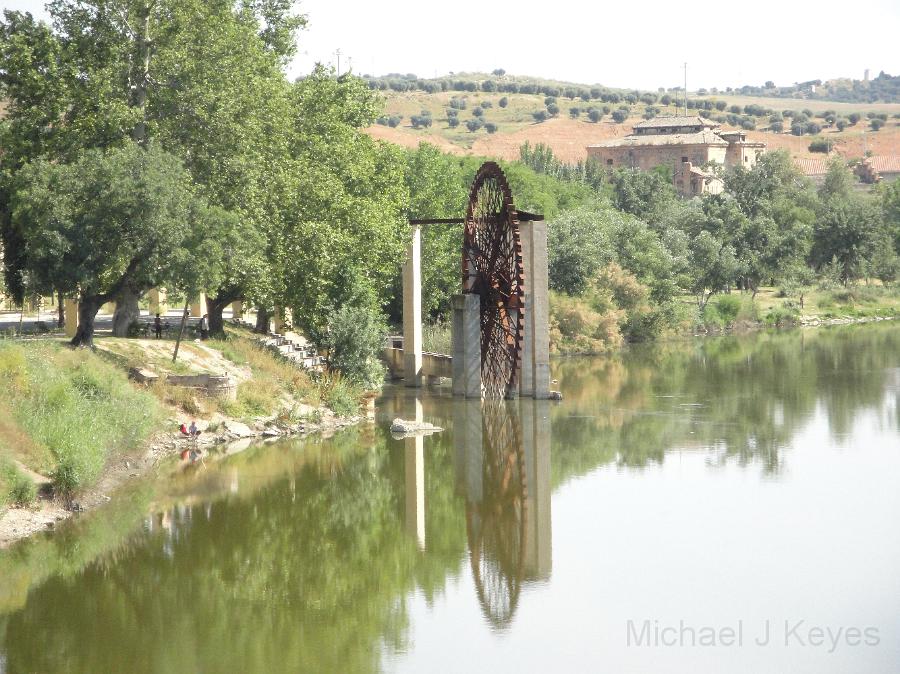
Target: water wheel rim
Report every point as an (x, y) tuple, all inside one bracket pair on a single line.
[(492, 267)]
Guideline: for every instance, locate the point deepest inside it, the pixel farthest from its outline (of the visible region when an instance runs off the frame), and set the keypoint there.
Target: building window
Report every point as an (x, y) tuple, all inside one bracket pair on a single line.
[(609, 162), (746, 158), (684, 160)]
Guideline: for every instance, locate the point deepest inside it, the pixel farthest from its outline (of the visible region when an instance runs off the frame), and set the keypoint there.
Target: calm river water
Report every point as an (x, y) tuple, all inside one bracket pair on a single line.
[(727, 505)]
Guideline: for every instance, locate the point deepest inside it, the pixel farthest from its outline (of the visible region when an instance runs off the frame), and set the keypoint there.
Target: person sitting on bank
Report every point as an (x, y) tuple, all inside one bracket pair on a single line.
[(157, 326), (204, 327)]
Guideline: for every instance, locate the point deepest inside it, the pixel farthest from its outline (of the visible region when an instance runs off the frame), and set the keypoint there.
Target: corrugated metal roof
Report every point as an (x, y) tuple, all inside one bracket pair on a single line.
[(705, 137)]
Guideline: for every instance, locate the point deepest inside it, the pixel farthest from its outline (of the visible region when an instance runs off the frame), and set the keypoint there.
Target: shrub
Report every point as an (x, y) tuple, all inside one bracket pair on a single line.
[(474, 124), (841, 123), (620, 116), (782, 316), (539, 115), (578, 327), (490, 127), (821, 145), (574, 112), (553, 109), (394, 121), (341, 395), (486, 104), (595, 116), (354, 341), (728, 307), (453, 122), (549, 100), (477, 111), (854, 117), (15, 487), (876, 123), (503, 102)]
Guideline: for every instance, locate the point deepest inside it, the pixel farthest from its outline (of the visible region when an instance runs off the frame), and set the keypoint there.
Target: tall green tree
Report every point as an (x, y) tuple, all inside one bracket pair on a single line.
[(343, 204), (152, 229), (203, 78)]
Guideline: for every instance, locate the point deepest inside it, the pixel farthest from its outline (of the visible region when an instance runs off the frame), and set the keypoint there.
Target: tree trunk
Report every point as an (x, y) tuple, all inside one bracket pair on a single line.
[(216, 322), (214, 308), (60, 311), (87, 311), (127, 311), (263, 316)]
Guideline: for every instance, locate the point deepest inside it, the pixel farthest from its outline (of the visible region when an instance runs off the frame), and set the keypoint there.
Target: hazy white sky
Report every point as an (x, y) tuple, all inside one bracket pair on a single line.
[(622, 44)]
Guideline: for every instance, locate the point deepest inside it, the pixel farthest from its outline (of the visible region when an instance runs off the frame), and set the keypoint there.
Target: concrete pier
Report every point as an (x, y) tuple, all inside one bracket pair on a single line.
[(466, 330), (412, 311)]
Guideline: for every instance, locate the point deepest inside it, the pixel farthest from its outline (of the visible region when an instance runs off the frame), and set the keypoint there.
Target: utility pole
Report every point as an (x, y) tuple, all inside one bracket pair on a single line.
[(338, 54), (685, 88)]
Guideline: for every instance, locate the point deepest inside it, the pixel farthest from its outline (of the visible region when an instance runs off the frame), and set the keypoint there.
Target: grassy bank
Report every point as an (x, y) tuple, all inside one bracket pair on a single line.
[(64, 414), (267, 384)]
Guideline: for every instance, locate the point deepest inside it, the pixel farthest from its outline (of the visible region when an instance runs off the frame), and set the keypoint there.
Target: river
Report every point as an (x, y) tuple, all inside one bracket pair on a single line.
[(726, 505)]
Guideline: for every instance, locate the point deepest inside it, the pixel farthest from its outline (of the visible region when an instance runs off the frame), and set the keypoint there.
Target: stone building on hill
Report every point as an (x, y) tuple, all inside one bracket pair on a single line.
[(684, 144)]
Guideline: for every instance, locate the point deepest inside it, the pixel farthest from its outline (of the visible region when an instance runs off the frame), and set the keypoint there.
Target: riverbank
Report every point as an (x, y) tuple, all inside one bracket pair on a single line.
[(74, 429)]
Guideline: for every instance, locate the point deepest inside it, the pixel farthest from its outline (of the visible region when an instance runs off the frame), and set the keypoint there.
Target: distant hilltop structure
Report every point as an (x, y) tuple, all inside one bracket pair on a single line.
[(684, 144)]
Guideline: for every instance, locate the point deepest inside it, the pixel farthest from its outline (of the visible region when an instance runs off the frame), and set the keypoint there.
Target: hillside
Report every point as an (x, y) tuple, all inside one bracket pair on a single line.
[(568, 136)]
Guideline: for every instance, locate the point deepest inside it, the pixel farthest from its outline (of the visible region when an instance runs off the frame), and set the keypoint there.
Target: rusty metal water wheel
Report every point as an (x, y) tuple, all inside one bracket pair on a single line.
[(492, 268)]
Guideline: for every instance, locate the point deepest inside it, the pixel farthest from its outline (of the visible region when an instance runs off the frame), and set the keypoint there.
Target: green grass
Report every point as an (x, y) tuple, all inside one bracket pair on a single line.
[(15, 487), (273, 378), (68, 412)]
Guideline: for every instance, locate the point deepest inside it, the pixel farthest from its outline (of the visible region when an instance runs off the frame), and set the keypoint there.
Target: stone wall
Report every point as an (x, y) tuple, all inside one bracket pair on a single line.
[(648, 157)]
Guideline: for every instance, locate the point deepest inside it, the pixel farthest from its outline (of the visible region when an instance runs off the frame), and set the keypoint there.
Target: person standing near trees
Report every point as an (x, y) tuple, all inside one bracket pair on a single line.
[(157, 327), (204, 327)]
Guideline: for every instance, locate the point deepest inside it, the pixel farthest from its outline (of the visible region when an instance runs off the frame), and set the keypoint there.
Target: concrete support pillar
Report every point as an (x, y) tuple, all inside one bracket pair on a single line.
[(412, 311), (237, 310), (158, 302), (535, 378), (198, 306), (281, 320), (70, 307), (466, 339)]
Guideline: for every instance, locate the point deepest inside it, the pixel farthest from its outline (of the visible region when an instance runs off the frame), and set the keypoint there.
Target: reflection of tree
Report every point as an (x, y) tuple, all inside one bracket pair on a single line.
[(743, 398), (496, 524), (309, 573)]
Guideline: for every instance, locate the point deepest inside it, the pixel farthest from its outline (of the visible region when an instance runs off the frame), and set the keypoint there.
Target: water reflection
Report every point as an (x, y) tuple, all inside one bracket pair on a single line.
[(502, 455), (332, 555)]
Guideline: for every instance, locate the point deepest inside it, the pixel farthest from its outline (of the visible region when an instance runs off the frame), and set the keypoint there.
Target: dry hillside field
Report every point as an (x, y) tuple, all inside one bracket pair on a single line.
[(568, 137)]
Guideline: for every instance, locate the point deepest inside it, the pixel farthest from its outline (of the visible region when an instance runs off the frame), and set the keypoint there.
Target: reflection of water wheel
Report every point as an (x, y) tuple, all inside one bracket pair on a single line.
[(496, 526), (493, 269)]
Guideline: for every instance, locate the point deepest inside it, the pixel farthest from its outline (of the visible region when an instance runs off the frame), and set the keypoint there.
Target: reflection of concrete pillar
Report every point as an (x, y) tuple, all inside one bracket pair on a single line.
[(536, 351), (474, 440), (412, 311), (467, 345), (415, 488), (70, 307), (237, 310), (536, 453), (158, 301), (198, 306)]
